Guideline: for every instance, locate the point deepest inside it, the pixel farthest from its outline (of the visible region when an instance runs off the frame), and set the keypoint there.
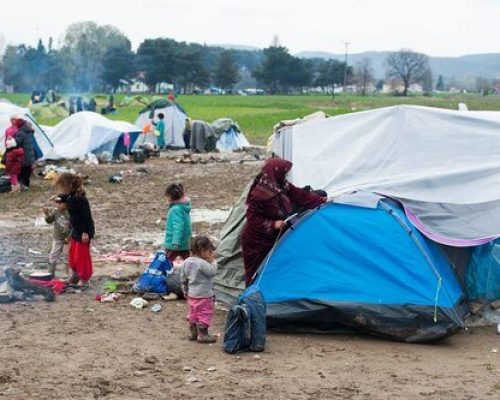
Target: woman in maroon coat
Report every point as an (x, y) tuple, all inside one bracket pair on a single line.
[(14, 156), (269, 203)]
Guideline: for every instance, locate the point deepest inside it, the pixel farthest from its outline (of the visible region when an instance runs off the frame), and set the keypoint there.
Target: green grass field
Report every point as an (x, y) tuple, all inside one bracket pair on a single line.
[(257, 115)]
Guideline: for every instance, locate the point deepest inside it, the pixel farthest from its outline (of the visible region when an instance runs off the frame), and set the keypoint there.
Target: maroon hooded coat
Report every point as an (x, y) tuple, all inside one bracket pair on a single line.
[(14, 161), (270, 199)]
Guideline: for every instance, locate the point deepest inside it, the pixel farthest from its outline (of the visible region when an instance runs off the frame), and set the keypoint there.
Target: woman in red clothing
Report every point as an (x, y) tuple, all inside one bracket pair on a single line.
[(14, 156), (270, 201)]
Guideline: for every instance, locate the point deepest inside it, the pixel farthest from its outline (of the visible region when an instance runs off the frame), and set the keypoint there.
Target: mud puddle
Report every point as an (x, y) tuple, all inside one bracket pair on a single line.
[(216, 216)]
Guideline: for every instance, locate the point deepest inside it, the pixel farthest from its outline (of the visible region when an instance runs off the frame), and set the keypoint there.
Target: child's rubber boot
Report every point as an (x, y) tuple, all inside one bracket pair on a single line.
[(204, 336), (52, 270), (193, 332), (73, 279)]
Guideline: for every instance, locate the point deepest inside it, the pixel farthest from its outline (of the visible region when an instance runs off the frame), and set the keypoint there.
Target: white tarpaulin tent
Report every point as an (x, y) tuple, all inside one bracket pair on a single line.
[(88, 132), (44, 147), (277, 144), (444, 165), (175, 122), (230, 136)]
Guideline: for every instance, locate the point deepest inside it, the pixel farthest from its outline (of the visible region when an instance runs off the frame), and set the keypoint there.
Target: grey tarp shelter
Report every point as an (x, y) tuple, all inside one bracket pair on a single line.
[(229, 282)]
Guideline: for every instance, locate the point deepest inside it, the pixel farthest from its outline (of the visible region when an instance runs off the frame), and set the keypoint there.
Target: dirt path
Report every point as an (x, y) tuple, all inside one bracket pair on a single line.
[(77, 348)]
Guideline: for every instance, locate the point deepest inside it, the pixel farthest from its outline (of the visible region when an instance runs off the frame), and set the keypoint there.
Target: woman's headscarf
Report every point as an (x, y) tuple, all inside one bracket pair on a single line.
[(19, 122), (271, 181)]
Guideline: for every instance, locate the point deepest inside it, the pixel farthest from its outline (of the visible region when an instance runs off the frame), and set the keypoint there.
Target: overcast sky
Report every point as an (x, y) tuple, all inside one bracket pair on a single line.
[(435, 27)]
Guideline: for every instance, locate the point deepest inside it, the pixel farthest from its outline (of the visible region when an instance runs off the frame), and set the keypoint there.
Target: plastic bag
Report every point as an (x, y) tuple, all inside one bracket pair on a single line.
[(154, 279), (139, 303), (91, 159), (105, 157)]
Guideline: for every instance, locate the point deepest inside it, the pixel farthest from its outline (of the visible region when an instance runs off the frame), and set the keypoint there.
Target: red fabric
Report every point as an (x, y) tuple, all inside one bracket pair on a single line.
[(56, 285), (14, 161), (14, 181), (18, 123), (79, 259), (10, 132), (200, 311), (172, 254), (270, 199)]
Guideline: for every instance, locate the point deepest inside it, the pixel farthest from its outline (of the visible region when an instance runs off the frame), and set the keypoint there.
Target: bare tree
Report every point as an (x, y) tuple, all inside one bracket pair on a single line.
[(408, 66), (363, 75), (484, 86), (428, 82)]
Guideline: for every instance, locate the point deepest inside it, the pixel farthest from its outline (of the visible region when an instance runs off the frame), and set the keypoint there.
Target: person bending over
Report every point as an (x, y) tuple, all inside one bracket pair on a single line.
[(270, 202)]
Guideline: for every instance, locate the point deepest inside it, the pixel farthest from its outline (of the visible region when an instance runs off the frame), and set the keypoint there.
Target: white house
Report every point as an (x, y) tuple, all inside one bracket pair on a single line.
[(164, 87), (138, 87), (132, 86), (396, 86)]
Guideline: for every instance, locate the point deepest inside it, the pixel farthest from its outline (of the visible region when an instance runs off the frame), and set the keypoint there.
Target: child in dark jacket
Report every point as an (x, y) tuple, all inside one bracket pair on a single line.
[(197, 274), (14, 156), (82, 226)]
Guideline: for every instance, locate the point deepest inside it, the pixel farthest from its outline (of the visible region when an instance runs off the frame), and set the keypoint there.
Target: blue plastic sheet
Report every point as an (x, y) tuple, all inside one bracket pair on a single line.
[(482, 280)]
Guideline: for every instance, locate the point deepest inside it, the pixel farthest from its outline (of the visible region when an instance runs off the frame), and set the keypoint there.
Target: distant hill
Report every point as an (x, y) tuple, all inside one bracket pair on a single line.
[(377, 58), (461, 69)]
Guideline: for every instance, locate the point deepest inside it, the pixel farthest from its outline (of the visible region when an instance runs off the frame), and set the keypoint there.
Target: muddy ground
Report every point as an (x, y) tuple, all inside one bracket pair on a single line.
[(77, 348)]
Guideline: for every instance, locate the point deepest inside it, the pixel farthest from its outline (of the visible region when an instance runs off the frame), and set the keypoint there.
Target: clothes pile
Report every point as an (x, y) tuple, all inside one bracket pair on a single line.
[(14, 287)]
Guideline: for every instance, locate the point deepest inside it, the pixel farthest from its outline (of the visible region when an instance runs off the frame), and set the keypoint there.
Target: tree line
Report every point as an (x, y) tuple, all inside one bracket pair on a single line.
[(92, 58), (96, 58)]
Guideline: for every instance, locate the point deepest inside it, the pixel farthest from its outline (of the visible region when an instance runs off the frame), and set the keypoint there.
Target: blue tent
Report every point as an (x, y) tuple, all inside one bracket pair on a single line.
[(363, 267), (119, 147)]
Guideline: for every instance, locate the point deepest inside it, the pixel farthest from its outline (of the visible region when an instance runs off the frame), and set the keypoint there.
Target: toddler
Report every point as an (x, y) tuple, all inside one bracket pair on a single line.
[(62, 229), (197, 275)]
